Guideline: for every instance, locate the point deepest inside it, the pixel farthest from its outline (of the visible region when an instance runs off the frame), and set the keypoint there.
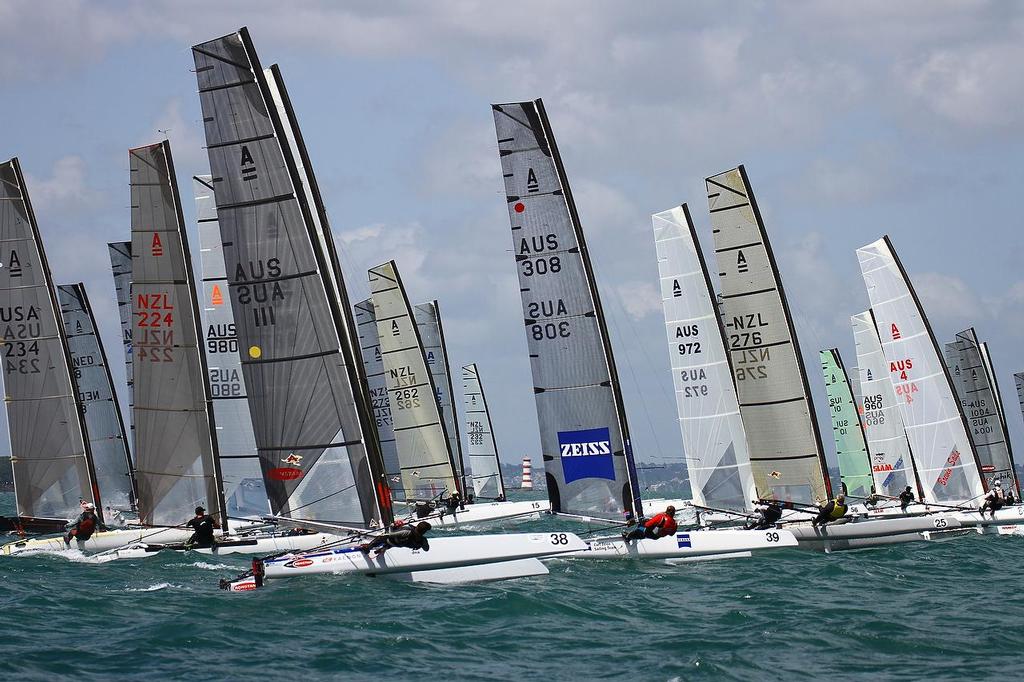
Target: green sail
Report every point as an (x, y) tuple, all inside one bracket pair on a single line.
[(854, 463)]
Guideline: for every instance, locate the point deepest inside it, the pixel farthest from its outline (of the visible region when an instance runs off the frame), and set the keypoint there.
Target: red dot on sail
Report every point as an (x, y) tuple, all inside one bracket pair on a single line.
[(520, 207)]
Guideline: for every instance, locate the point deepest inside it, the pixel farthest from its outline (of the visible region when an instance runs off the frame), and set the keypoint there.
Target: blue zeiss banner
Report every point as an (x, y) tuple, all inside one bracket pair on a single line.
[(586, 454)]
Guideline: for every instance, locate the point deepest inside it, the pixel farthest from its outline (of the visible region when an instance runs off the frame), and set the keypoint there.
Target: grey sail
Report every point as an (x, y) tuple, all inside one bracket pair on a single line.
[(175, 445), (242, 477), (480, 443), (786, 454), (428, 320), (49, 448), (986, 358), (104, 423), (977, 398), (308, 409), (121, 267), (366, 322), (424, 451), (1018, 379), (584, 436)]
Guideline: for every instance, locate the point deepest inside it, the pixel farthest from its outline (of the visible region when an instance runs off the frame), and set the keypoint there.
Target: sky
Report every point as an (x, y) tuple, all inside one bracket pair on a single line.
[(853, 120)]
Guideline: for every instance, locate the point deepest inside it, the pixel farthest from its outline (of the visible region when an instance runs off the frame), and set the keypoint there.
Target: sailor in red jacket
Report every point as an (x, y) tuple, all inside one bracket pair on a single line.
[(661, 525)]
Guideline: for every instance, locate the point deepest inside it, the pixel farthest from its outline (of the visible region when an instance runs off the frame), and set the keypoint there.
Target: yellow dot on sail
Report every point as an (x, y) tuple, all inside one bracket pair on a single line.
[(255, 352)]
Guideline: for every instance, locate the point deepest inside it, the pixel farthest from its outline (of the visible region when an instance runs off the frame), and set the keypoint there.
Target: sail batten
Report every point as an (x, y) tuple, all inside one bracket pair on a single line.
[(932, 416), (788, 460), (585, 440), (51, 455), (482, 447), (712, 430), (299, 368)]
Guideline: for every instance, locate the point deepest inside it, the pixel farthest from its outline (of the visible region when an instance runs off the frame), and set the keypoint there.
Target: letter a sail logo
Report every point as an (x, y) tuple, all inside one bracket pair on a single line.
[(895, 332), (157, 247), (216, 298)]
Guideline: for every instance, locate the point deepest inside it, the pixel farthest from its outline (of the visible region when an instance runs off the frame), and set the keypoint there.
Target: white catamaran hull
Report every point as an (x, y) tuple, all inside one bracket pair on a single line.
[(486, 512), (873, 532), (690, 544), (444, 553), (255, 544), (102, 541)]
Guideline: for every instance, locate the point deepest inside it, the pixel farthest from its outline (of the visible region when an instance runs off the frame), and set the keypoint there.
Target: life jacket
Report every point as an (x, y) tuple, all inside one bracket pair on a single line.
[(86, 524), (838, 510), (665, 523)]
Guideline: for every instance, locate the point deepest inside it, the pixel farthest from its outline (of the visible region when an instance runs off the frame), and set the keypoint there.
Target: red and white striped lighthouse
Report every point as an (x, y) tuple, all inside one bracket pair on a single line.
[(527, 483)]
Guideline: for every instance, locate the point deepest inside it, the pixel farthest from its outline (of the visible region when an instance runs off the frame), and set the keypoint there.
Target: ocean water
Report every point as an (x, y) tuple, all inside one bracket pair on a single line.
[(939, 611)]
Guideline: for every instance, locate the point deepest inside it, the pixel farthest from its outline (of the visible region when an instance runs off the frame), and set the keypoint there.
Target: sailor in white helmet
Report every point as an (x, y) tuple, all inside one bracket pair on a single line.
[(995, 498)]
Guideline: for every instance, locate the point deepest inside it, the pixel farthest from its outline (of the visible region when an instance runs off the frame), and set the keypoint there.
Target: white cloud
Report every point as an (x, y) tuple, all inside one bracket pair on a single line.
[(948, 298), (639, 298)]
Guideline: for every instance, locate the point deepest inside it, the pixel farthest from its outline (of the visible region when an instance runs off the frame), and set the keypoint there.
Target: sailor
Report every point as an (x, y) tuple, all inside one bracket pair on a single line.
[(659, 526), (906, 497), (833, 510), (84, 526), (994, 499), (768, 514), (203, 524), (405, 535), (454, 502)]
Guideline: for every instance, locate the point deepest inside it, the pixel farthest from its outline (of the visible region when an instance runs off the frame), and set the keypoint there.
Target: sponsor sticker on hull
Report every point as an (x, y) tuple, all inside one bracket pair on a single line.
[(683, 540), (586, 453)]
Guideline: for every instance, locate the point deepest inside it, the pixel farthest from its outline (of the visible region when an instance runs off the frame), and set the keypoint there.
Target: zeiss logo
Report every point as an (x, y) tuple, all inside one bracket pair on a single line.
[(586, 454), (683, 540)]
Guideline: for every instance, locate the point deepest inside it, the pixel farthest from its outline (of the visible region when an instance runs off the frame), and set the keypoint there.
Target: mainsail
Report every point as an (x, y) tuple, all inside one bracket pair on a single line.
[(121, 267), (366, 322), (424, 450), (973, 384), (244, 491), (584, 436), (483, 449), (986, 358), (428, 320), (786, 454), (175, 445), (50, 452), (892, 464), (934, 422), (311, 414), (104, 424), (851, 446), (709, 416)]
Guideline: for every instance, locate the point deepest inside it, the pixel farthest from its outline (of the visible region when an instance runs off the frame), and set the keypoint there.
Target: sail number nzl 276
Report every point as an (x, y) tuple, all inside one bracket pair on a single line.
[(749, 357), (256, 289)]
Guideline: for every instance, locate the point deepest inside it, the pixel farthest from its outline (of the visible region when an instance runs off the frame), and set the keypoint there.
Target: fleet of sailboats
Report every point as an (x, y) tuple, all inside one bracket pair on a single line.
[(309, 428)]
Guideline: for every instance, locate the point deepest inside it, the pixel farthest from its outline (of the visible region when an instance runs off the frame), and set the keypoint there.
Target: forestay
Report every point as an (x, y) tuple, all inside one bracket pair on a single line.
[(583, 431), (428, 320), (977, 397), (366, 323), (121, 267), (49, 451), (424, 454), (932, 417), (482, 448), (851, 446), (709, 416), (786, 454), (244, 492), (892, 464), (104, 424), (175, 447), (298, 367)]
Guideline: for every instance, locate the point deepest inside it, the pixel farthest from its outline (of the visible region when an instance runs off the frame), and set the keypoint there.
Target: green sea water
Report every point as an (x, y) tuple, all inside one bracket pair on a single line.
[(932, 610)]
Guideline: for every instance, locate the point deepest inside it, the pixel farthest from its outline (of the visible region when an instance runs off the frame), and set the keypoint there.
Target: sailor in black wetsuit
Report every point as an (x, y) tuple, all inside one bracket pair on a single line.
[(453, 503), (203, 524), (906, 497), (994, 499), (84, 526), (405, 535), (768, 514)]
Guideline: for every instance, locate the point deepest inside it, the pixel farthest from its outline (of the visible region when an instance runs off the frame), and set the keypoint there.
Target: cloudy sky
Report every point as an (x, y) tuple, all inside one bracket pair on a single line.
[(853, 120)]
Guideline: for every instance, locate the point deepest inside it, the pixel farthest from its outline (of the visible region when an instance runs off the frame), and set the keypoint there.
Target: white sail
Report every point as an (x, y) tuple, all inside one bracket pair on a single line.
[(428, 320), (428, 471), (786, 454), (709, 417), (369, 344), (892, 465), (934, 422), (244, 492), (482, 448)]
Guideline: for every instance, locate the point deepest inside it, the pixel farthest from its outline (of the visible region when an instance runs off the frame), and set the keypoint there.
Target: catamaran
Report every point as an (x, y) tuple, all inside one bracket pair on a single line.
[(588, 458), (936, 426), (311, 410)]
